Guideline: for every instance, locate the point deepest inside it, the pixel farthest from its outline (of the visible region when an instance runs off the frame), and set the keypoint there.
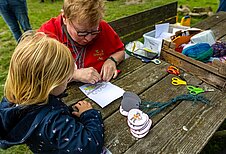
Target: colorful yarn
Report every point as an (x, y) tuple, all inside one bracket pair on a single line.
[(219, 49), (199, 51)]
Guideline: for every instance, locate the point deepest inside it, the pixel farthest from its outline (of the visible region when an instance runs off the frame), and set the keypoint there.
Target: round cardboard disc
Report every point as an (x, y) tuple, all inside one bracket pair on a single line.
[(123, 112), (137, 117), (138, 127), (139, 136), (143, 130), (130, 101)]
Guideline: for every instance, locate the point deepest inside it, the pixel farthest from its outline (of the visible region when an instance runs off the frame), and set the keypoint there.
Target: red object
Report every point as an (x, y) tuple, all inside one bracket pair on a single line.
[(179, 49), (173, 70), (118, 71), (103, 46)]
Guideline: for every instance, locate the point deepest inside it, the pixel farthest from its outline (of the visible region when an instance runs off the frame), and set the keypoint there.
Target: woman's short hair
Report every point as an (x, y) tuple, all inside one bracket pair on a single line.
[(90, 11), (38, 65)]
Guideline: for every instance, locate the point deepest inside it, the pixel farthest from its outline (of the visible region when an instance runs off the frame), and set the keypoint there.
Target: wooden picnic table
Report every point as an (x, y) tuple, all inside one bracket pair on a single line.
[(152, 83)]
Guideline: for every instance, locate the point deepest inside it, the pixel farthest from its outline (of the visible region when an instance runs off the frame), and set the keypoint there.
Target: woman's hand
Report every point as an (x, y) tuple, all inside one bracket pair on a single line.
[(82, 106), (108, 70), (87, 75)]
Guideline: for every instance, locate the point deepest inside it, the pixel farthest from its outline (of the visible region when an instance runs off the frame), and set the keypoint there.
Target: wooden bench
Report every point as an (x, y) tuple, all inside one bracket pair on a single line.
[(133, 27)]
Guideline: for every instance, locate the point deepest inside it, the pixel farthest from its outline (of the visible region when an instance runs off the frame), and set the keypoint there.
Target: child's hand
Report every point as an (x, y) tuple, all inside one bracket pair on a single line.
[(82, 106)]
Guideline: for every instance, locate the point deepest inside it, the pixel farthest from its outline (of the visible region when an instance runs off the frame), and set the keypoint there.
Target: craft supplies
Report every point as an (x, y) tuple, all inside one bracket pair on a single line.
[(132, 46), (139, 123), (174, 70), (219, 49), (94, 88), (137, 49), (129, 101), (153, 108), (145, 54), (206, 36), (186, 21), (103, 93), (176, 81), (138, 113), (199, 51), (194, 90)]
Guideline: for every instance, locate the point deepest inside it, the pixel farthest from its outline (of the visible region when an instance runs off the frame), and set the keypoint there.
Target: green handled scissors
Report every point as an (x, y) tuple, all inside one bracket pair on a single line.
[(194, 90), (176, 81)]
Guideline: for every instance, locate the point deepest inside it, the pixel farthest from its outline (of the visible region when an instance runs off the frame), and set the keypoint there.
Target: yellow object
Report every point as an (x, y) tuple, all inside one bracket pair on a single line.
[(186, 21), (134, 46), (177, 18), (148, 50), (176, 81)]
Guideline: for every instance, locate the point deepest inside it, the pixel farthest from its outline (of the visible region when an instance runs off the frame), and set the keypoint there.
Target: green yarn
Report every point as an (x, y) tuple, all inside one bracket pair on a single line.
[(199, 51), (205, 56), (158, 107)]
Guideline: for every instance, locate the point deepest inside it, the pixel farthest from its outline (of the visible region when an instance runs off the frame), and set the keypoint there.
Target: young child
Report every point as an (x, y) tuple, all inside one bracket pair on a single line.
[(32, 113)]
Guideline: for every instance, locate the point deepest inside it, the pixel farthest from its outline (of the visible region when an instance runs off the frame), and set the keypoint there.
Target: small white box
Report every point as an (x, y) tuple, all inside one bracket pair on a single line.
[(155, 44), (151, 42), (206, 36)]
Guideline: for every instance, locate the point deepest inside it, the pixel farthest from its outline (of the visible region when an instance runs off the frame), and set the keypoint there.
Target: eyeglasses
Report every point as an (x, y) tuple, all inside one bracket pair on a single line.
[(85, 33)]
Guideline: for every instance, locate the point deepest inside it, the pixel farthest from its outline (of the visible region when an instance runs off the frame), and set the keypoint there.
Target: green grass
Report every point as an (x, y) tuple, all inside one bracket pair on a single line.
[(41, 12)]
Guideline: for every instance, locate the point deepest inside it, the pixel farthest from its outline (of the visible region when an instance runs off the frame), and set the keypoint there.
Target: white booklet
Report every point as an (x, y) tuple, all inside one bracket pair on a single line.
[(103, 93)]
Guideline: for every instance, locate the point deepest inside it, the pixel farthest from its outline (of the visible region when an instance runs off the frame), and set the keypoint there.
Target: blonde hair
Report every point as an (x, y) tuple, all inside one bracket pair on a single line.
[(90, 11), (38, 65)]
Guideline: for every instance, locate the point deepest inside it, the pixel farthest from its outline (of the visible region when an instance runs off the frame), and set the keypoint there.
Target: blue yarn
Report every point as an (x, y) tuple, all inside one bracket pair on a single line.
[(199, 51), (158, 107)]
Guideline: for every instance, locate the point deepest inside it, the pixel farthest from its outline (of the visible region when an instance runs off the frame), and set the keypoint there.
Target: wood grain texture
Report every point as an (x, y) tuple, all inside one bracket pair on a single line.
[(210, 22), (140, 20), (118, 137), (168, 135)]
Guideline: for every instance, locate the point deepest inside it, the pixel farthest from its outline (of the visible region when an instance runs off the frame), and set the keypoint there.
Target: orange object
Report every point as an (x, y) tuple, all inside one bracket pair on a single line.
[(186, 21), (181, 40)]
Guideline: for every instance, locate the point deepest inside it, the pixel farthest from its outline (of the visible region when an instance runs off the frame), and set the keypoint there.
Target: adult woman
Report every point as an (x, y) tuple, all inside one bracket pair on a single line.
[(95, 46)]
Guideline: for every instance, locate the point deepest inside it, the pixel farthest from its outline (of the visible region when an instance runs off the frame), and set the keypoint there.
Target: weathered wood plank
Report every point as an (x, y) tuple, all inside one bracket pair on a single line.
[(223, 39), (211, 21), (200, 120), (214, 23), (118, 138), (140, 20), (219, 30), (137, 81)]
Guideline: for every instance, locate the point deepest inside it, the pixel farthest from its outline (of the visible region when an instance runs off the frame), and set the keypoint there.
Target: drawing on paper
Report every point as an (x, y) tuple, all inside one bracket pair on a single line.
[(95, 88)]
